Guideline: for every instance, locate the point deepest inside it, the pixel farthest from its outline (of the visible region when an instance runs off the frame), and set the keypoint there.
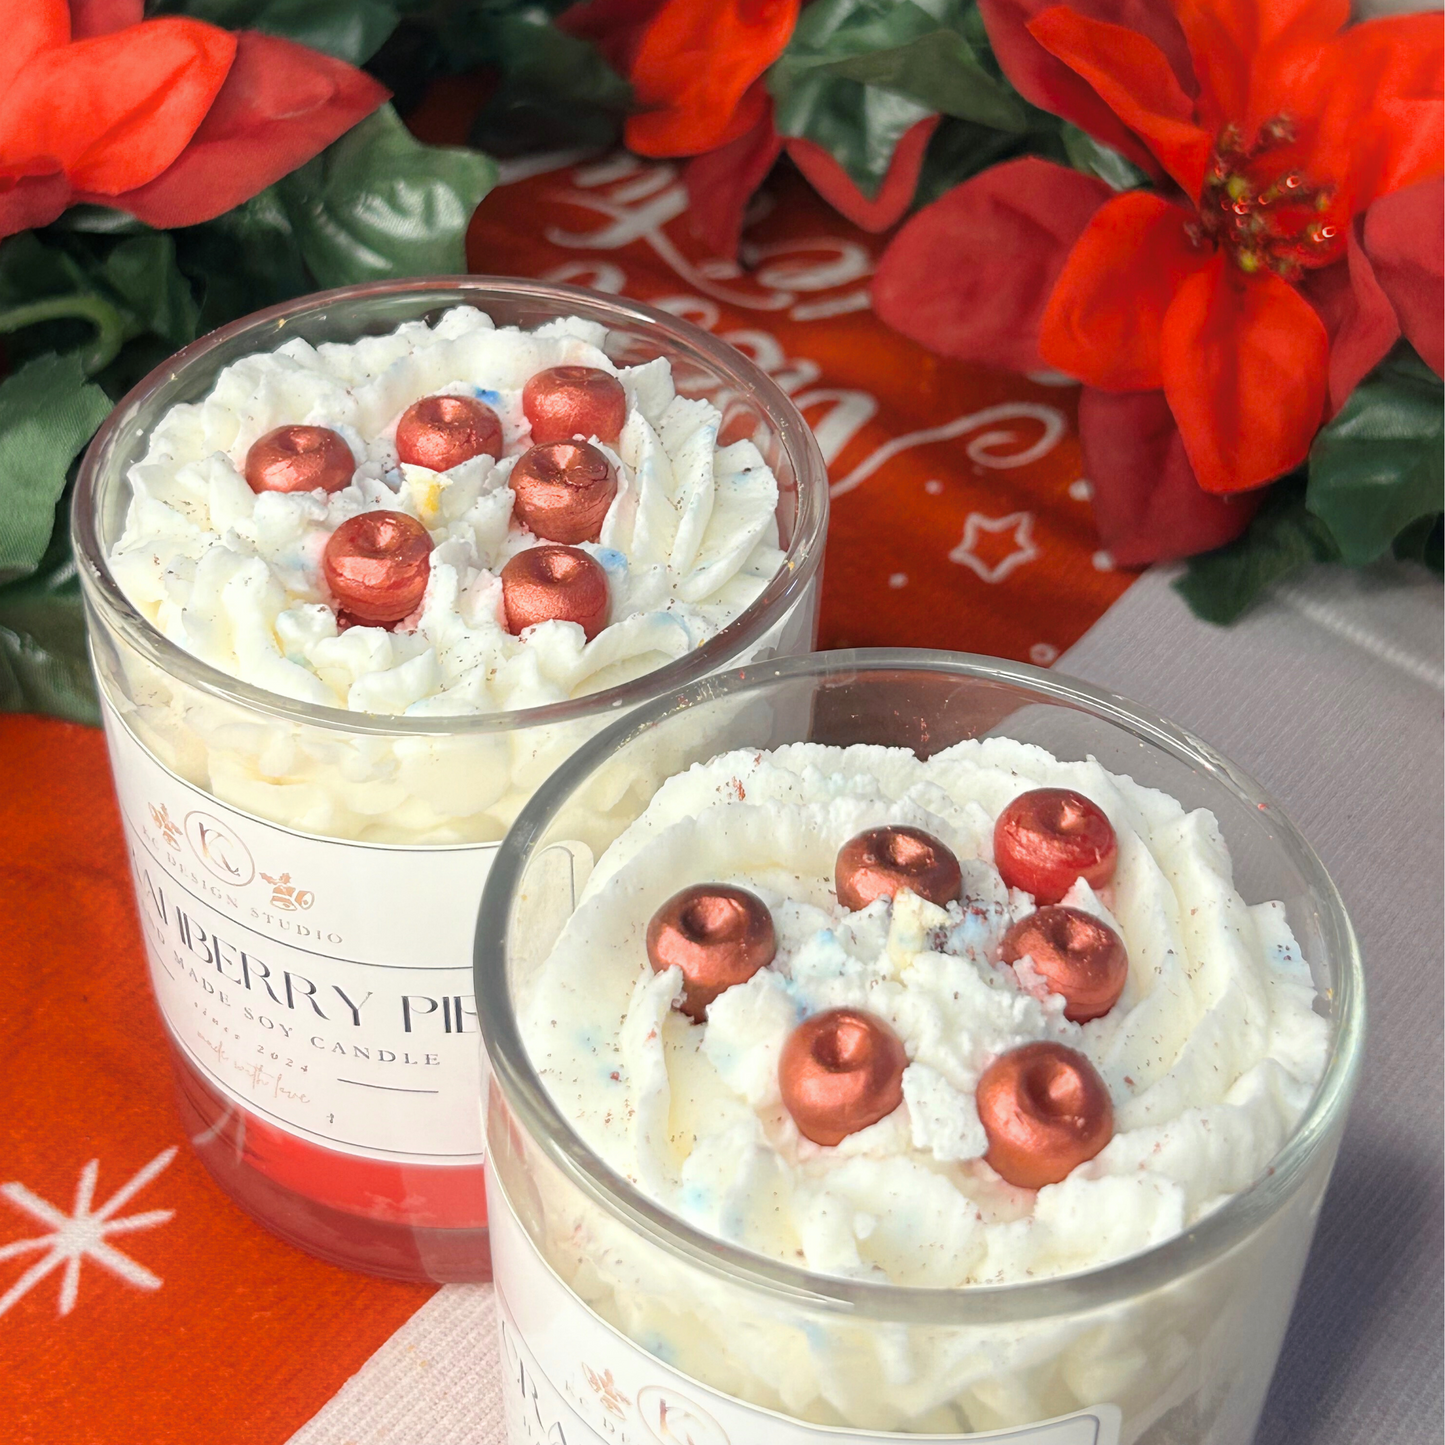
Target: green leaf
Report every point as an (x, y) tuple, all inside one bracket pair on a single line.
[(48, 411), (959, 149), (44, 665), (1219, 586), (143, 272), (857, 74), (351, 30), (556, 92), (379, 203), (1378, 466), (1094, 158)]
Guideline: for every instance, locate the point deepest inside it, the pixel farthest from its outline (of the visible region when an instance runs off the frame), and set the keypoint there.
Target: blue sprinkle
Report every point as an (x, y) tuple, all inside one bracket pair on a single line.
[(612, 560), (487, 395)]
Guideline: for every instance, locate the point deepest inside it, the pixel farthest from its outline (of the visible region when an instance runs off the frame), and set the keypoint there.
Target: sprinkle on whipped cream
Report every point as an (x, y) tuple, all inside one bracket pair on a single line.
[(234, 577), (1210, 1056)]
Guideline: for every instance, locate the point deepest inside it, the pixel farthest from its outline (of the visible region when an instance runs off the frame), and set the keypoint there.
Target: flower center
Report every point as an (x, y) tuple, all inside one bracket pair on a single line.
[(1266, 217)]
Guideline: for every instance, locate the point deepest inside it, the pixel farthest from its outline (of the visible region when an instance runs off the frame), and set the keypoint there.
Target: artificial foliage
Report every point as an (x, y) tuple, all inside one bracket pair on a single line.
[(1223, 217)]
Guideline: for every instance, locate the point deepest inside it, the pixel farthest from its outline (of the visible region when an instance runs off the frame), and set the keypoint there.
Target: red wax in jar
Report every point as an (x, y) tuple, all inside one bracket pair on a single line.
[(442, 432), (555, 584), (574, 401), (1078, 955), (299, 459), (717, 935), (563, 491), (1049, 838), (377, 565), (876, 864), (839, 1072), (1045, 1111)]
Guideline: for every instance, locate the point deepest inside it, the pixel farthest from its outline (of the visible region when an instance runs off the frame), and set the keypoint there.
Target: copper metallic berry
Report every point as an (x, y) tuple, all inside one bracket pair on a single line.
[(717, 935), (574, 401), (839, 1072), (555, 584), (1047, 839), (563, 491), (299, 459), (377, 566), (1045, 1111), (442, 432), (1079, 956), (876, 864)]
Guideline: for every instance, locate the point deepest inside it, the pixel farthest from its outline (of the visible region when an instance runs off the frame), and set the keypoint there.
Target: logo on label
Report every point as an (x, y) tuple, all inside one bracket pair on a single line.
[(167, 826), (605, 1388), (675, 1420), (219, 850), (286, 896)]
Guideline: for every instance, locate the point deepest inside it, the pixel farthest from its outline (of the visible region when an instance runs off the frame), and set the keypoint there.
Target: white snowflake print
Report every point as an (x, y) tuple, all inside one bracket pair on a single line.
[(1018, 526), (82, 1234)]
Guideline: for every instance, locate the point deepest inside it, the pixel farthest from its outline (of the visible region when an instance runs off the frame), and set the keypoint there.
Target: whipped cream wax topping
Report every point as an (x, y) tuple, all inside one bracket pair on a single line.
[(1210, 1055), (235, 577)]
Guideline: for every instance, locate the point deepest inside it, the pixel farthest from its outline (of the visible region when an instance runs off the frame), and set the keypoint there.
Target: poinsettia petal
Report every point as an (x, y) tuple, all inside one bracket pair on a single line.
[(31, 27), (1102, 321), (32, 201), (837, 187), (281, 104), (721, 182), (615, 27), (115, 111), (1405, 240), (1382, 126), (1245, 363), (100, 17), (969, 275), (1244, 50), (1147, 504), (1134, 77), (1357, 315), (1046, 81), (695, 67)]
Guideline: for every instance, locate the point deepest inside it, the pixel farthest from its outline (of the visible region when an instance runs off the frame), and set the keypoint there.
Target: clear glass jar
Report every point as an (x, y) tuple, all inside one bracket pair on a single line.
[(308, 877), (612, 1307)]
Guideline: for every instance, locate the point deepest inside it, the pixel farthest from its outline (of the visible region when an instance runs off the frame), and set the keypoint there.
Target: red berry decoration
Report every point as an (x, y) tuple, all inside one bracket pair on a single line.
[(555, 584), (299, 459), (839, 1072), (442, 432), (717, 935), (1047, 839), (876, 864), (377, 566), (563, 491), (1045, 1111), (574, 401), (1079, 955)]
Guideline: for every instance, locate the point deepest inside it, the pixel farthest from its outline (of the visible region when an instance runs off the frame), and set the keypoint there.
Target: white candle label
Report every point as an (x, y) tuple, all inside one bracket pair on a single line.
[(323, 984), (568, 1378)]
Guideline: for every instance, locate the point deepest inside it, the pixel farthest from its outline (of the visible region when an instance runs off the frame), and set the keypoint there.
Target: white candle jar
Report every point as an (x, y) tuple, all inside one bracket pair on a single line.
[(621, 1322), (308, 877)]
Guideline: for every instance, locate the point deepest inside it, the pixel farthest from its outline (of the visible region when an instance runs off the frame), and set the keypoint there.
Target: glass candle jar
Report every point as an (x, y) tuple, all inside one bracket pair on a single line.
[(308, 877), (621, 1321)]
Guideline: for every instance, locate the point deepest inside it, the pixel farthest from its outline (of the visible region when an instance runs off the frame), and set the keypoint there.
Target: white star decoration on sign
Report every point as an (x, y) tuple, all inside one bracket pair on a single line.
[(1020, 524), (81, 1234)]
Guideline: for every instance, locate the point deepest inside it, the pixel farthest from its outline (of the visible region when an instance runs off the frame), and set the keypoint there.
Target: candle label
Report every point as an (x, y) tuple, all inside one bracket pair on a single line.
[(323, 984), (569, 1378)]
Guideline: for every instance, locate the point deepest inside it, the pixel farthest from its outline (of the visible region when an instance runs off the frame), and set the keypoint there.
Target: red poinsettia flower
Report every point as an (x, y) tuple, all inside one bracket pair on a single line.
[(1236, 305), (170, 119)]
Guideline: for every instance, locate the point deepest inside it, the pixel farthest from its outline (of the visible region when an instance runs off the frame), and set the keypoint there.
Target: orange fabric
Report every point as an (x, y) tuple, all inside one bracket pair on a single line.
[(245, 1339)]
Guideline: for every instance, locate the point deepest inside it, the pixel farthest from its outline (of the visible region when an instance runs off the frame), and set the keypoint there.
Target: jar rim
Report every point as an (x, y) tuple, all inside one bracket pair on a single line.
[(801, 561), (513, 1072)]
